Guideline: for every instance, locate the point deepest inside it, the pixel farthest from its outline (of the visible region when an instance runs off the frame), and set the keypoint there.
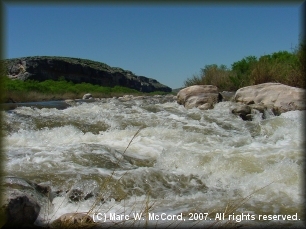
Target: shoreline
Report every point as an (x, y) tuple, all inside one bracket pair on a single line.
[(65, 103), (33, 96)]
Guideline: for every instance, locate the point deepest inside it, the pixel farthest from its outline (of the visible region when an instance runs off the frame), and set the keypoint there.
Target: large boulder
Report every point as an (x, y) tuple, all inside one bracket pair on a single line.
[(278, 97), (202, 96), (24, 202)]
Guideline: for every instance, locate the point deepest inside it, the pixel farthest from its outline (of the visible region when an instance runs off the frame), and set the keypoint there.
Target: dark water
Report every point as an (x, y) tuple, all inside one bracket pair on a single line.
[(44, 104)]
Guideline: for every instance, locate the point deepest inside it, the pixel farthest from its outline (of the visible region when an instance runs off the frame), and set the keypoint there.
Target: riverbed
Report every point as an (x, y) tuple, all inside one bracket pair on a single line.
[(151, 155)]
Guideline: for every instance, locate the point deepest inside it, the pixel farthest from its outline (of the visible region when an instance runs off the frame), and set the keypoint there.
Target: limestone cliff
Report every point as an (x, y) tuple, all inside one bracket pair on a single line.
[(78, 70)]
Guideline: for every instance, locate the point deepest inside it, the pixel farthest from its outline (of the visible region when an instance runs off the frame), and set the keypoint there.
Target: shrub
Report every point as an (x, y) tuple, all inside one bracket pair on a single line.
[(211, 75), (282, 67), (241, 71), (31, 90)]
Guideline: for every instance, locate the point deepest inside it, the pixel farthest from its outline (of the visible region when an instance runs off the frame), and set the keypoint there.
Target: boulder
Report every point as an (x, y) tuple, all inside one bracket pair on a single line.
[(23, 202), (279, 97), (87, 96), (20, 209), (202, 96)]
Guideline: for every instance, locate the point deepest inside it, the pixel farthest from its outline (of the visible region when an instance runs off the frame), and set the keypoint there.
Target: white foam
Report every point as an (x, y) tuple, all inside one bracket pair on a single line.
[(232, 157)]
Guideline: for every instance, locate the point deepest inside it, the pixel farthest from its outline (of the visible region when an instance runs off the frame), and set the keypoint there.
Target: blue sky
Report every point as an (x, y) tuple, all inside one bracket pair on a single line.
[(167, 42)]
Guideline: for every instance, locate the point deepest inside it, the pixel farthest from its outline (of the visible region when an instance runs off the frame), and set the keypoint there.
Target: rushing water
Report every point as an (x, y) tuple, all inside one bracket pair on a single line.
[(181, 161)]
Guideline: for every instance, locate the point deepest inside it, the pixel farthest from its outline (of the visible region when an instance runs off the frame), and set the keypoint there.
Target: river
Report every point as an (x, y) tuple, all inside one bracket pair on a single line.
[(151, 155)]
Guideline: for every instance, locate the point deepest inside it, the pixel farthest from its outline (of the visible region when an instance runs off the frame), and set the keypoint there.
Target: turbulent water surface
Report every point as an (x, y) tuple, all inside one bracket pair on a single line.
[(180, 161)]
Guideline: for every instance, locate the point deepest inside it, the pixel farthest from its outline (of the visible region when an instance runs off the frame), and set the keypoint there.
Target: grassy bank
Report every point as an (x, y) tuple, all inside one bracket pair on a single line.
[(30, 90), (281, 67)]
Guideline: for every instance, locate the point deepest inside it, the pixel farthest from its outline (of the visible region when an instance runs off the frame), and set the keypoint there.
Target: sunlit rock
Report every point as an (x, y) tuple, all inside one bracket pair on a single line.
[(199, 95), (281, 98)]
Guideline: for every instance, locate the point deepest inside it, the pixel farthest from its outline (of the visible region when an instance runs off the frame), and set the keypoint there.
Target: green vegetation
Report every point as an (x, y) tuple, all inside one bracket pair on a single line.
[(281, 67), (31, 90)]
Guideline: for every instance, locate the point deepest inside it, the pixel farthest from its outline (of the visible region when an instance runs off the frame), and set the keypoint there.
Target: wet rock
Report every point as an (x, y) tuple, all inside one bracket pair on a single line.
[(73, 220), (261, 108), (20, 209), (139, 97), (83, 190), (128, 96), (280, 97), (244, 111), (76, 195), (199, 95), (70, 102), (206, 106), (24, 202), (87, 96)]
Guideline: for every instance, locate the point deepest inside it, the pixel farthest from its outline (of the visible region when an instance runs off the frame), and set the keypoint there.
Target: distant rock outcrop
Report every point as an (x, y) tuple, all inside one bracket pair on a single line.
[(77, 70), (202, 96)]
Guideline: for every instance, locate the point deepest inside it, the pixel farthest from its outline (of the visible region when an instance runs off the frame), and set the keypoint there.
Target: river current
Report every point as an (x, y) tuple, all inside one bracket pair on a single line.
[(151, 155)]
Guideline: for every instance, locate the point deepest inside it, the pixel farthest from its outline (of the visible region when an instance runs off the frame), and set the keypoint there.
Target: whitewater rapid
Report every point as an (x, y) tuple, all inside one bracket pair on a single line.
[(180, 161)]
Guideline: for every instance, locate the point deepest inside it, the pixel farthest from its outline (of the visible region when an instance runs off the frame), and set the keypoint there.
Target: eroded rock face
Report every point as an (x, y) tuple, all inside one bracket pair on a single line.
[(202, 96), (279, 97), (78, 70)]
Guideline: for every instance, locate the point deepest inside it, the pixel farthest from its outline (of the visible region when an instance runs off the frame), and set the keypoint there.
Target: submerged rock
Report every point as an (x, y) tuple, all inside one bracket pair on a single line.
[(83, 190), (202, 96), (87, 96), (21, 209)]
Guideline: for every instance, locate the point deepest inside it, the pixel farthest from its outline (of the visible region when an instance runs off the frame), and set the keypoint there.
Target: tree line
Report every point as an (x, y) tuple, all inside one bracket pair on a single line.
[(281, 67)]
